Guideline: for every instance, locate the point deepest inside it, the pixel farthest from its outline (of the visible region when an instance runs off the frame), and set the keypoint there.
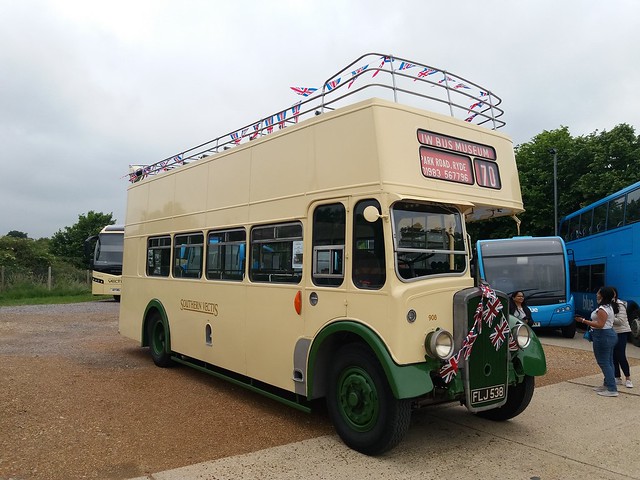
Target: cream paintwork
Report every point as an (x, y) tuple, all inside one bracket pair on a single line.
[(367, 150)]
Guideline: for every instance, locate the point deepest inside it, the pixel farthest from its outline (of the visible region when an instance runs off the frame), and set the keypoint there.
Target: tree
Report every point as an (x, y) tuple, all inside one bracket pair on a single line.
[(589, 167), (17, 234), (69, 243)]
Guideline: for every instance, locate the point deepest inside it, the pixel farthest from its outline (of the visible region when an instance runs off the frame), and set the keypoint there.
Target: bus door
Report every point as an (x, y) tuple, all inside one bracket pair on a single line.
[(272, 324), (324, 298)]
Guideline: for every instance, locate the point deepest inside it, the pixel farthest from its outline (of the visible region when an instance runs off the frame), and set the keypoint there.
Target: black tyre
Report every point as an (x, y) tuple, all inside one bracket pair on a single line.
[(518, 398), (116, 298), (569, 331), (158, 341), (361, 405)]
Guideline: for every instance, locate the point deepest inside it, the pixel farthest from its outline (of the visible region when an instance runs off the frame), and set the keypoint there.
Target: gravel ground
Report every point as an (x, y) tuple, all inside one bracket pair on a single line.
[(79, 401)]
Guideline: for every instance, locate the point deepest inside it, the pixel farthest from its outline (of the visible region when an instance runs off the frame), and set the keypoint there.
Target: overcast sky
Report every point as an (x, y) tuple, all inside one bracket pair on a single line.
[(89, 87)]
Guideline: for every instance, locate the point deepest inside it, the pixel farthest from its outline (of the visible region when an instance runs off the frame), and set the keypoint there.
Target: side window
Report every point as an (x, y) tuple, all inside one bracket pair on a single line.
[(159, 256), (599, 219), (633, 207), (329, 223), (187, 255), (226, 255), (616, 213), (276, 253), (369, 270)]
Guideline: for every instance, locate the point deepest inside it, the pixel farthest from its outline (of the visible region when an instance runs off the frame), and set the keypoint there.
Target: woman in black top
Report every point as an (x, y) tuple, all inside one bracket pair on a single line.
[(518, 307)]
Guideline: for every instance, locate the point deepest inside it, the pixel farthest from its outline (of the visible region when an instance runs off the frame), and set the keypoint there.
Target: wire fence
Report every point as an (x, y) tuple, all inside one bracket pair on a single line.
[(46, 277)]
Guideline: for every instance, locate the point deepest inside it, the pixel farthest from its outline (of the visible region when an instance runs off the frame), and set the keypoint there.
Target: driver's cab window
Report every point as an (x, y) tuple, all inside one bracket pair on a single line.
[(368, 270)]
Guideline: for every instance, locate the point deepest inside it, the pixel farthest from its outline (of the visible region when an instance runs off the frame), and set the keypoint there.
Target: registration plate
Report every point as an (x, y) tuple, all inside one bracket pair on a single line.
[(488, 394)]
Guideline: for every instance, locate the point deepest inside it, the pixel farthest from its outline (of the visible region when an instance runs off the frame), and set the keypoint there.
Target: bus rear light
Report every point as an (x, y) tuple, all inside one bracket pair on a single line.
[(522, 334), (439, 344), (297, 302)]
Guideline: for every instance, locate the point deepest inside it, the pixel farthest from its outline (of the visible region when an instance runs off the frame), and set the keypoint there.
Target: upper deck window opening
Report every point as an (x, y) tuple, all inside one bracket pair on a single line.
[(276, 253), (428, 240)]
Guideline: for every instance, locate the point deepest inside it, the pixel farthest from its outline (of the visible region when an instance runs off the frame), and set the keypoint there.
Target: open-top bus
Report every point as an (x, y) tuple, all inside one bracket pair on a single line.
[(603, 241), (105, 252), (328, 259), (537, 266)]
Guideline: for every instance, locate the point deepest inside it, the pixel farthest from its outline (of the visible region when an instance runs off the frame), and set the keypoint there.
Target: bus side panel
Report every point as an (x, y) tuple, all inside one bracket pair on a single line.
[(207, 321), (272, 329)]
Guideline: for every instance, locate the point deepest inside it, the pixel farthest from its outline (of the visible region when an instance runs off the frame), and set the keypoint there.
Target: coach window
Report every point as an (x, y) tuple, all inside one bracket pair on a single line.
[(329, 222), (159, 256), (369, 270), (616, 213), (187, 255), (633, 207), (276, 253), (226, 255)]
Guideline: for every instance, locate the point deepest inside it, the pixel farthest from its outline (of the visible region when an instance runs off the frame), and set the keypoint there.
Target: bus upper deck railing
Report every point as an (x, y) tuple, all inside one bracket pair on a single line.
[(370, 75)]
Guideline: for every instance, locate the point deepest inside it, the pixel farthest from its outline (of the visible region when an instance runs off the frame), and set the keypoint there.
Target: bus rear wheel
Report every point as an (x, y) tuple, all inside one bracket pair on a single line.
[(158, 341), (362, 407), (518, 398)]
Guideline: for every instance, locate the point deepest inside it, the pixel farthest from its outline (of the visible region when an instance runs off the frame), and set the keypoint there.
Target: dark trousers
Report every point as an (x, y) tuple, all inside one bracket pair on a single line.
[(620, 356)]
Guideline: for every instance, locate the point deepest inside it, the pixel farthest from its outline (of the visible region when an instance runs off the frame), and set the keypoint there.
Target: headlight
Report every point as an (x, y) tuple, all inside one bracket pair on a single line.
[(522, 334), (439, 344)]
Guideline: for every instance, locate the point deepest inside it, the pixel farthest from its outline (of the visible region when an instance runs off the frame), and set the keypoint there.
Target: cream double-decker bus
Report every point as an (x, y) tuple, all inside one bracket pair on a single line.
[(328, 258)]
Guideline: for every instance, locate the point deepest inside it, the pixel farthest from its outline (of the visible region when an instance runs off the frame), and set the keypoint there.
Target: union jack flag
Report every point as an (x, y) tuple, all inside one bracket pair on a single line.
[(281, 119), (487, 292), (470, 117), (460, 85), (449, 369), (513, 344), (235, 136), (477, 104), (256, 131), (446, 78), (332, 84), (295, 110), (491, 311), (269, 123), (355, 73), (468, 342), (405, 66), (177, 159), (483, 94), (385, 59), (425, 73), (499, 334), (304, 91)]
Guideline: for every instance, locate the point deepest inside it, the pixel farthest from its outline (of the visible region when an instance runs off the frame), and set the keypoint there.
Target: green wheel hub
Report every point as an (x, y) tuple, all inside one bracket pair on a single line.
[(358, 399), (157, 338)]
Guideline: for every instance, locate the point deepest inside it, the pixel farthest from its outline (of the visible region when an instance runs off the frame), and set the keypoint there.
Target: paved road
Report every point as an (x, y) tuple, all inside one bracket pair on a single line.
[(568, 432)]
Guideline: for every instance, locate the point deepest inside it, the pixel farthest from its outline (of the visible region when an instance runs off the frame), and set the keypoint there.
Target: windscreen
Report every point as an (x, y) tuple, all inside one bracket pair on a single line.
[(108, 253), (429, 240)]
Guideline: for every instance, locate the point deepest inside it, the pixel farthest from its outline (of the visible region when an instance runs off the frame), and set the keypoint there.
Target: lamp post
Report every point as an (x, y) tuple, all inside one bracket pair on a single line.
[(554, 152)]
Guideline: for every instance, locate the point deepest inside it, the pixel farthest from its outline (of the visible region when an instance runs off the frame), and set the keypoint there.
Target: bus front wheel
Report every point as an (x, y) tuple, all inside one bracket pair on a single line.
[(518, 398), (362, 406), (569, 331), (158, 341)]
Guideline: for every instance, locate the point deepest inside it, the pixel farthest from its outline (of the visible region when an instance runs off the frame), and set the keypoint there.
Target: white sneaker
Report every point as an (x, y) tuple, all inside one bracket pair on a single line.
[(608, 393), (628, 384), (600, 388), (618, 381)]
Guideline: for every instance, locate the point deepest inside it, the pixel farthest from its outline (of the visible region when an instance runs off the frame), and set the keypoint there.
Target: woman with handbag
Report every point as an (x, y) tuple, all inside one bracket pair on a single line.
[(604, 338)]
